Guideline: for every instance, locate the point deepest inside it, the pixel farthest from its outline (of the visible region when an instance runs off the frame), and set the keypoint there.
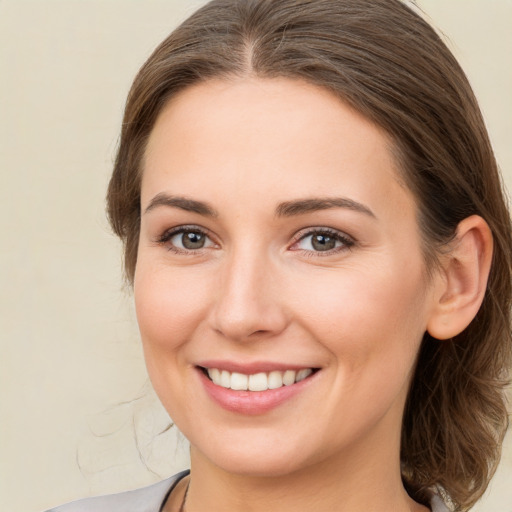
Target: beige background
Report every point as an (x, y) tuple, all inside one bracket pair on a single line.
[(76, 417)]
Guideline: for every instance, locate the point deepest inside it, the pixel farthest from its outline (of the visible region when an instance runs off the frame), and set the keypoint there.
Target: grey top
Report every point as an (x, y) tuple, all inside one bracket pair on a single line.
[(147, 499), (153, 498)]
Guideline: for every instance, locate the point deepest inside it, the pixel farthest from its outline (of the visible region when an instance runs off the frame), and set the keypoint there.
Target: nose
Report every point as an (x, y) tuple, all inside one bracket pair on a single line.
[(249, 304)]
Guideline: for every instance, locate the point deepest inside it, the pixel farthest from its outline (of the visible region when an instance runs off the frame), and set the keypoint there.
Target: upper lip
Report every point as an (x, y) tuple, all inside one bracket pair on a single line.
[(252, 367)]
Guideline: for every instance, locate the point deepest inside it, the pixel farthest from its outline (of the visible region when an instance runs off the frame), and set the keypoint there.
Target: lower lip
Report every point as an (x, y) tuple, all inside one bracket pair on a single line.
[(252, 402)]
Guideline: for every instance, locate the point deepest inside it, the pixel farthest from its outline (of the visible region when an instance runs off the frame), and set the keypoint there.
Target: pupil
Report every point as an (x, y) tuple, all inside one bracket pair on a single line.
[(323, 242), (193, 240)]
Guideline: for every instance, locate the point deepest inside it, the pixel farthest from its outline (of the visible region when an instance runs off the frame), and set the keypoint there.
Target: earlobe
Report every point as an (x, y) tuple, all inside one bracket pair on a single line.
[(463, 279)]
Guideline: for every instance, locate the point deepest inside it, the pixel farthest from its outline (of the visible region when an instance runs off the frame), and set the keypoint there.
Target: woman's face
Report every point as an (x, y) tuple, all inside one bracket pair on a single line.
[(278, 244)]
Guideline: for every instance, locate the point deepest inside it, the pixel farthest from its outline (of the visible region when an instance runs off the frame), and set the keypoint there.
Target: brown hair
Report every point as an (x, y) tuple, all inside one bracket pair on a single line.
[(384, 60)]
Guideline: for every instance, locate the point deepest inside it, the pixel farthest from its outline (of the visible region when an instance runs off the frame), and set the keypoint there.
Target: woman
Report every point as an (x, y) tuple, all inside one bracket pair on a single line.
[(320, 250)]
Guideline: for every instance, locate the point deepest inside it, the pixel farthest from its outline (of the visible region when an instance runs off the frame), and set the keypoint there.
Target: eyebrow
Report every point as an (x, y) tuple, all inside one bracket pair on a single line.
[(302, 206), (183, 203), (285, 209)]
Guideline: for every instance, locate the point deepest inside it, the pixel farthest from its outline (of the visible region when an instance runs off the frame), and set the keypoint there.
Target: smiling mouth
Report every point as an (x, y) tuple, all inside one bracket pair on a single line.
[(261, 381)]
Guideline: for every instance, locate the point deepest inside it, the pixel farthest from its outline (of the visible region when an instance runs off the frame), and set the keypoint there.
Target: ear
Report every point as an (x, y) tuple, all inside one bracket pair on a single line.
[(462, 281)]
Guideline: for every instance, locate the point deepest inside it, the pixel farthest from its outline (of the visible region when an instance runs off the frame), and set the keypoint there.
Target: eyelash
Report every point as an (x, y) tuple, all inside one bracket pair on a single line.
[(166, 237), (346, 242)]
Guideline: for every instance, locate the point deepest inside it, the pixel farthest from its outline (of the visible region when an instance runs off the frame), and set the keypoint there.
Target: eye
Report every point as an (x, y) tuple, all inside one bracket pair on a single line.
[(323, 240), (189, 240), (185, 239)]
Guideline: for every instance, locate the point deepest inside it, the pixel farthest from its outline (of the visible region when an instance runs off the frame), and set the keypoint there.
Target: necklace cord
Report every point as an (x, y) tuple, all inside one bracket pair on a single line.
[(182, 506)]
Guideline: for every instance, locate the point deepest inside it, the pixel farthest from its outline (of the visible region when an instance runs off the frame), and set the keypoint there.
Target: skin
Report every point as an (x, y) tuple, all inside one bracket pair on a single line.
[(259, 291)]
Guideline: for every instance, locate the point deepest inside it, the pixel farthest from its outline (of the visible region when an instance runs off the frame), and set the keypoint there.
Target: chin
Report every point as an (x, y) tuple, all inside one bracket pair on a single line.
[(263, 466), (257, 459)]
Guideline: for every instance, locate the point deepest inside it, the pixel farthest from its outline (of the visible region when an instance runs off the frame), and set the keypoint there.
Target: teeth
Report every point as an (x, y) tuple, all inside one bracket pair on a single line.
[(257, 381), (214, 374), (239, 381), (275, 380), (302, 374), (225, 379), (289, 377)]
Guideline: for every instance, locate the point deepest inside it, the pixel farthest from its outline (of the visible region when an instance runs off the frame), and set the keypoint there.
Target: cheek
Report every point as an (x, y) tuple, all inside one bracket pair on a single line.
[(369, 315), (372, 323), (169, 305)]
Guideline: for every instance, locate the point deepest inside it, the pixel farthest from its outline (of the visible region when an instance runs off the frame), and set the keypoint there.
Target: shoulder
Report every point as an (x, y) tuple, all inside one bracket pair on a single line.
[(146, 499)]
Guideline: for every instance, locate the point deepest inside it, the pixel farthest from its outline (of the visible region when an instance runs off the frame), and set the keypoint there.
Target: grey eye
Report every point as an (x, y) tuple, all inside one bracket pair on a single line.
[(322, 242), (190, 240), (319, 242), (193, 240)]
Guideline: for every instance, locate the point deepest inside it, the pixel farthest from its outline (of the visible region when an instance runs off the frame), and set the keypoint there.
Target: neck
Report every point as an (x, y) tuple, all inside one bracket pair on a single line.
[(355, 483)]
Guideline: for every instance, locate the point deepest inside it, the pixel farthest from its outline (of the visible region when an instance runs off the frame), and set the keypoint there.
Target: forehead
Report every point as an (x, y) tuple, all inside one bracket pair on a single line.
[(268, 136)]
